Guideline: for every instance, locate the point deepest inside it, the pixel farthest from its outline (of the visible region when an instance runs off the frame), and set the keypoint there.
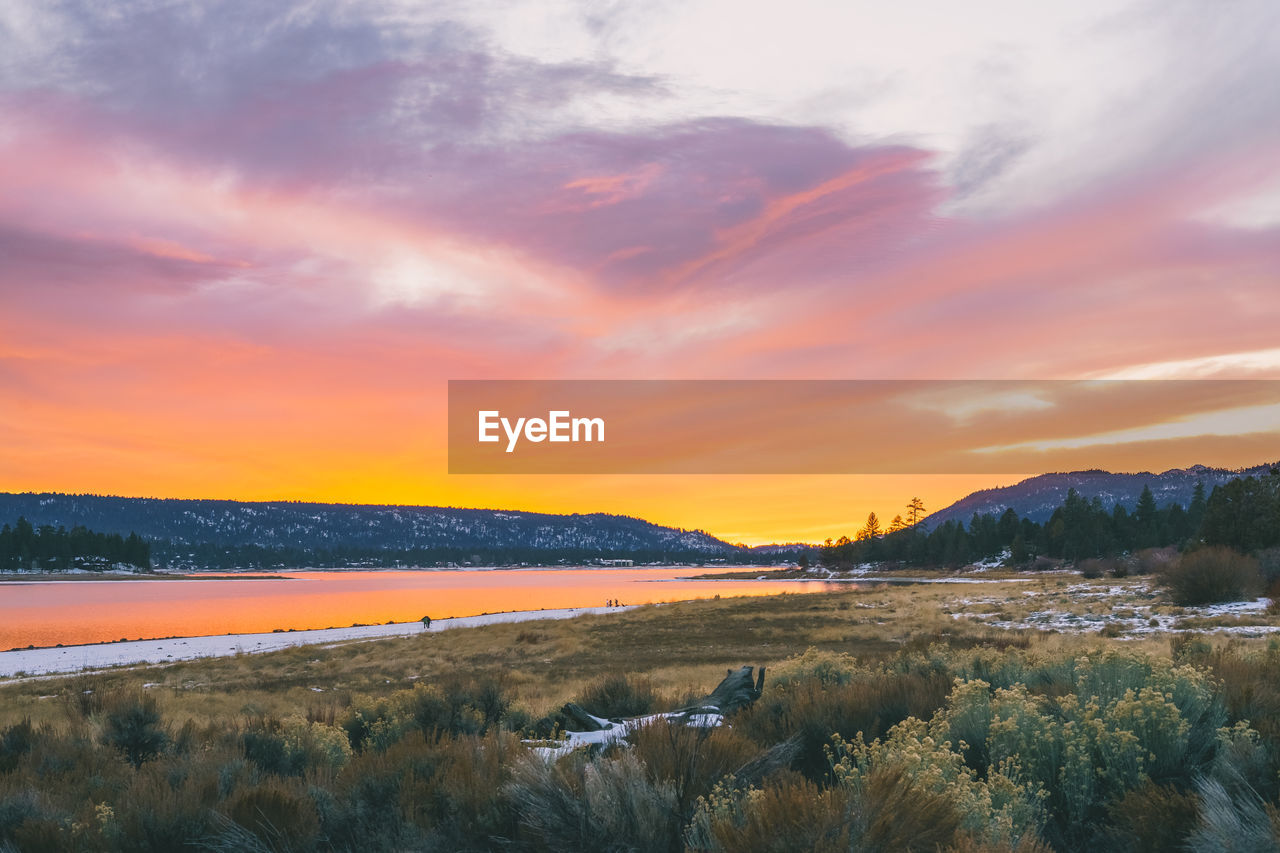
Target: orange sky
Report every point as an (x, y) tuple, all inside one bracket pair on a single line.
[(226, 272)]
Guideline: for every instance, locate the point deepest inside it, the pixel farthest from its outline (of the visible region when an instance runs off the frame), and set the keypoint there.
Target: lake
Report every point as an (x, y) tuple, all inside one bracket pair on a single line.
[(45, 613)]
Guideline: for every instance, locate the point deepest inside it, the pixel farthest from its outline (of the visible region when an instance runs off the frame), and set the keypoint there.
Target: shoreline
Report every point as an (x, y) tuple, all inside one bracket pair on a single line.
[(95, 577), (82, 575), (65, 660)]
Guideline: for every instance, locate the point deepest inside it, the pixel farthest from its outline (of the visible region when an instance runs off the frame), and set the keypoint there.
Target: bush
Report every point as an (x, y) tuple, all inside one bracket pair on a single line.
[(294, 746), (19, 812), (617, 696), (133, 726), (15, 742), (604, 805), (836, 701), (1269, 564), (1212, 575), (1239, 824), (423, 793), (280, 817), (790, 814), (1151, 561), (456, 708), (1151, 819), (690, 760), (160, 813), (1095, 567)]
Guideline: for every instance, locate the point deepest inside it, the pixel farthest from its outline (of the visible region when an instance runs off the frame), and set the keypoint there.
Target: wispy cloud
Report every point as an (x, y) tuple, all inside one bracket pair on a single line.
[(292, 208)]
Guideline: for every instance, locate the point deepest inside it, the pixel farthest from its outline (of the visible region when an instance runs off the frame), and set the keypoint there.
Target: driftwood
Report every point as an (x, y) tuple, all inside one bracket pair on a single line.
[(739, 689), (780, 756), (581, 720)]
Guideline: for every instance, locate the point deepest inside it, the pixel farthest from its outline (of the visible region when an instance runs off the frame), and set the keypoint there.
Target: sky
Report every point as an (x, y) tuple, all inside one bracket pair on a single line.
[(244, 246)]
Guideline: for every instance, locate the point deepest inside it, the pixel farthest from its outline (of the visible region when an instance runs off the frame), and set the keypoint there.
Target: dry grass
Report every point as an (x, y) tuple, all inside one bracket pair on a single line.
[(681, 649)]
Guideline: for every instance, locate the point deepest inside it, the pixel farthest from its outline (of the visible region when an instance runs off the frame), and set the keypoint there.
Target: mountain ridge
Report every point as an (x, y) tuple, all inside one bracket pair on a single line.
[(194, 531), (1037, 497)]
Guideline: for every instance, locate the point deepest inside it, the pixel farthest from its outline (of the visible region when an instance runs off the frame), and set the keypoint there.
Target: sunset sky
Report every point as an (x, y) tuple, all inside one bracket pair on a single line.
[(244, 246)]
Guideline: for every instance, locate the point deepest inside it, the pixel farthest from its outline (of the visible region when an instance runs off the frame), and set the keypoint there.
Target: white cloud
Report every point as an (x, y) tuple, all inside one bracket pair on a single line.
[(1257, 364), (1246, 420)]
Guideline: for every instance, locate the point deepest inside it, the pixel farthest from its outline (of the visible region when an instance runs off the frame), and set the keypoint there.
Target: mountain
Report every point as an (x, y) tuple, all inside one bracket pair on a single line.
[(227, 534), (1037, 497)]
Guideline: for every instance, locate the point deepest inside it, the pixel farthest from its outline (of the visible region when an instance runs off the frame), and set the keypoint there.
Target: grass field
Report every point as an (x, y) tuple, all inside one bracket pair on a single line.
[(682, 648), (924, 717)]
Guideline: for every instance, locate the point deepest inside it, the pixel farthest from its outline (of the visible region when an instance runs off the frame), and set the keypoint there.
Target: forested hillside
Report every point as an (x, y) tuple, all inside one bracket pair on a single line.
[(231, 534), (1242, 514)]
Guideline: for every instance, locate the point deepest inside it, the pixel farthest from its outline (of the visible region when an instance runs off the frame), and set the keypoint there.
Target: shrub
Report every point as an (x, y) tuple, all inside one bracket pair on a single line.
[(293, 746), (133, 726), (1239, 824), (456, 708), (19, 812), (1269, 565), (617, 696), (1095, 567), (1151, 819), (15, 742), (690, 760), (827, 668), (1154, 560), (790, 814), (1211, 575), (157, 816), (280, 817), (1249, 683), (363, 811), (423, 793), (895, 810), (839, 702), (1013, 761), (607, 804)]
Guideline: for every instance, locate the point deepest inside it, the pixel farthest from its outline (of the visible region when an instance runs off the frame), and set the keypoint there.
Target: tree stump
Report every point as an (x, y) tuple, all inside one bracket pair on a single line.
[(737, 690)]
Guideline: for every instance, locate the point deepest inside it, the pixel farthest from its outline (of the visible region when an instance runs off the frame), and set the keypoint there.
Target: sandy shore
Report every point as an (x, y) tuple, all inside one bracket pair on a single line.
[(76, 658)]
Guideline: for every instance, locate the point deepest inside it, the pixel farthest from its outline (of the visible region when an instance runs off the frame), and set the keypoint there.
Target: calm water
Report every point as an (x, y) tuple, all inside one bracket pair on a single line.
[(45, 613)]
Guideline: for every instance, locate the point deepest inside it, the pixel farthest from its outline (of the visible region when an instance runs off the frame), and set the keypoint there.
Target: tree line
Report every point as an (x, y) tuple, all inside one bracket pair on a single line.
[(1243, 514), (24, 547), (209, 555)]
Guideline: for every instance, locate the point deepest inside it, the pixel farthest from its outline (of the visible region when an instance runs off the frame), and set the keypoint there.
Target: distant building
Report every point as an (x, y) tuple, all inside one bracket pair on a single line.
[(622, 563)]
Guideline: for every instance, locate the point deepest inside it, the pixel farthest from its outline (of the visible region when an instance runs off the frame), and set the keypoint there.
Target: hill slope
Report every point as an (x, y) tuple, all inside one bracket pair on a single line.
[(1037, 497), (227, 533)]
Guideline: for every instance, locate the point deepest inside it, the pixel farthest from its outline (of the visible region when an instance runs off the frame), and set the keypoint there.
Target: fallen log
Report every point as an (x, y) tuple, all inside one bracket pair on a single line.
[(738, 689), (580, 719)]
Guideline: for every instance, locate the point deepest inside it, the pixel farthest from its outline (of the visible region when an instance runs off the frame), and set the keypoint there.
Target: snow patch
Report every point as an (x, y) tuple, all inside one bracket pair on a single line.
[(75, 658), (613, 732)]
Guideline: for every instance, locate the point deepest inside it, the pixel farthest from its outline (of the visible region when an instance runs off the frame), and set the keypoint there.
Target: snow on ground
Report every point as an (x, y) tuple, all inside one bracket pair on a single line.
[(992, 562), (906, 579), (75, 658), (117, 569), (612, 732), (1234, 608), (1130, 616)]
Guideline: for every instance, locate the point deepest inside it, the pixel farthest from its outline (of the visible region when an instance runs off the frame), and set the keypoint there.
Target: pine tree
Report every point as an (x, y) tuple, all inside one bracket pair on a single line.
[(1018, 553), (1147, 516), (1195, 512), (915, 512)]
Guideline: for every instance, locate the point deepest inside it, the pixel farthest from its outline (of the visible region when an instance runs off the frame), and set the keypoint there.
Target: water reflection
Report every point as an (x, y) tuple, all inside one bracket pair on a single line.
[(45, 613)]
